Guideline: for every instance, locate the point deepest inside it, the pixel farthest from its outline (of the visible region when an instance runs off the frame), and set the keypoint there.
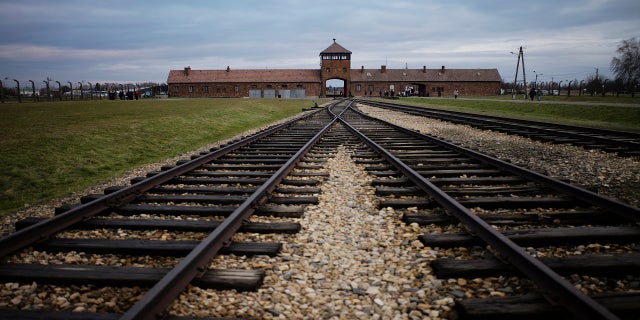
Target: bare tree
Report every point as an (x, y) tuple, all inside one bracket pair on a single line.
[(626, 65)]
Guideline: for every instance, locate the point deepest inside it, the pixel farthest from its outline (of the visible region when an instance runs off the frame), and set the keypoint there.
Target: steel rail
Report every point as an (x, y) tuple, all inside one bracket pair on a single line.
[(330, 108), (622, 209), (158, 298), (542, 127), (53, 225), (558, 289), (461, 114)]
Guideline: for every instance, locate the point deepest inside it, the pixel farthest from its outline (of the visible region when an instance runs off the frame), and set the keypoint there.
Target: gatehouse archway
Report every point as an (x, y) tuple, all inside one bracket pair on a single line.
[(336, 87)]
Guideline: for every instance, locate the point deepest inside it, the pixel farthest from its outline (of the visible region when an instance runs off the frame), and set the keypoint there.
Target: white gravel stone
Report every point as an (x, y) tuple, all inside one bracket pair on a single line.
[(346, 263)]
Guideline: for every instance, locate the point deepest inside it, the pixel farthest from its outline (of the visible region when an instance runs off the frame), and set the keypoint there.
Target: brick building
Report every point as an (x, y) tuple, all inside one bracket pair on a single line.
[(335, 63)]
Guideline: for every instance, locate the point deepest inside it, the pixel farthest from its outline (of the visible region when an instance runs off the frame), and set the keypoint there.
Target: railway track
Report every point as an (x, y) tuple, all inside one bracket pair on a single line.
[(209, 199), (619, 142), (510, 209), (505, 214)]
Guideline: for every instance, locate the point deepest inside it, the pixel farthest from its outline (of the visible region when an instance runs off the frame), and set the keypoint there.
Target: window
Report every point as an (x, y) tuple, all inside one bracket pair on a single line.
[(190, 89), (236, 89), (335, 57), (205, 89), (176, 89), (328, 70), (358, 88)]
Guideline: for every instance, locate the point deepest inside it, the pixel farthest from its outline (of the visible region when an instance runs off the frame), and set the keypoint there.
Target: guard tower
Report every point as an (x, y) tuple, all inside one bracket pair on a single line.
[(335, 63)]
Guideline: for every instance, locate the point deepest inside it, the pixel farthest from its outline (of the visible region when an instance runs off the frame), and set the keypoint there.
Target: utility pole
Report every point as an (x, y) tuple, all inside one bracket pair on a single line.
[(524, 76)]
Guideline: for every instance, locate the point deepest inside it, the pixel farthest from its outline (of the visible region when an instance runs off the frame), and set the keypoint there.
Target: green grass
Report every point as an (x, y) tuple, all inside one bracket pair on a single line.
[(53, 149), (608, 99), (591, 113)]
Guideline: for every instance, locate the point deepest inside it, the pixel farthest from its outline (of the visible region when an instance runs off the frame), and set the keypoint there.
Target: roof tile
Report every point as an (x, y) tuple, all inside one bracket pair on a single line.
[(239, 76), (360, 75)]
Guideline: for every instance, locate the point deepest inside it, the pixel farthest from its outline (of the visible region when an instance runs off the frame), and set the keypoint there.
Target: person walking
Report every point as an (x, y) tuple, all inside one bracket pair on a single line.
[(532, 93), (455, 93)]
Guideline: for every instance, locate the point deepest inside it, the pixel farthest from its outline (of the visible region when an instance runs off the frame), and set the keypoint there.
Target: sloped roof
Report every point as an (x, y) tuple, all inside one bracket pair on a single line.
[(359, 75), (239, 76), (335, 48), (309, 75)]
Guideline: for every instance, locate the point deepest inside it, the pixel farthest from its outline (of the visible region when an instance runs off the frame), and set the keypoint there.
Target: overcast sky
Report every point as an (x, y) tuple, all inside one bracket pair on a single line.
[(137, 41)]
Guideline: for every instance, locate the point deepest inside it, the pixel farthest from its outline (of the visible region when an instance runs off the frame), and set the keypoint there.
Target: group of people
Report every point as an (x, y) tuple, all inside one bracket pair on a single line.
[(535, 92), (129, 95)]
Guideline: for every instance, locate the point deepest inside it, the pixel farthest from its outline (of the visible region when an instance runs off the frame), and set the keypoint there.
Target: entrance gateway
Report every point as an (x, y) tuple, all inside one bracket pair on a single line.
[(335, 63)]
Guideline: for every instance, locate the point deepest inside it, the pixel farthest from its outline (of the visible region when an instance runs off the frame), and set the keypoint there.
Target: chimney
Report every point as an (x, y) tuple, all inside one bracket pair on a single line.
[(362, 69), (383, 69), (424, 69), (442, 69), (228, 69), (186, 70)]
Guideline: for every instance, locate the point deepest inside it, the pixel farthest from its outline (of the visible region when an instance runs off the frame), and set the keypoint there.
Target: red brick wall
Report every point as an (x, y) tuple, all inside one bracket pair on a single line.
[(228, 90), (432, 88), (465, 88), (338, 69)]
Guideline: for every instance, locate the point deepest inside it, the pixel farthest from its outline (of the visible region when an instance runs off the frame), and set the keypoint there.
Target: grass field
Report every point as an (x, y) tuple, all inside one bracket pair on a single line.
[(581, 111), (609, 99), (53, 149)]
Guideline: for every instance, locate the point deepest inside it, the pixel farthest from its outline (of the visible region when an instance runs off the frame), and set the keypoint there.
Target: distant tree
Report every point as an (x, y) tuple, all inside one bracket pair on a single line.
[(593, 85), (626, 65)]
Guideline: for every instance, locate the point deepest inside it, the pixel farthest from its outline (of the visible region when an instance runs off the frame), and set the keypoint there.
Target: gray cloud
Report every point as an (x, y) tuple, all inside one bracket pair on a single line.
[(142, 40)]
